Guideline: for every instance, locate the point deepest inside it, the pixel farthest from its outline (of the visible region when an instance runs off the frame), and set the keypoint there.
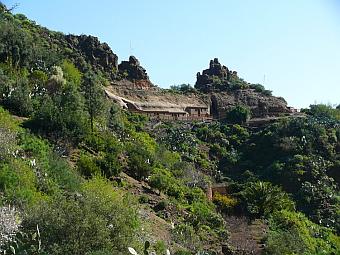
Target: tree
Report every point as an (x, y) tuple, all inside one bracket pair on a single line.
[(239, 114), (61, 115), (323, 111), (139, 161), (292, 233), (94, 96), (184, 88), (16, 93), (71, 73), (16, 45)]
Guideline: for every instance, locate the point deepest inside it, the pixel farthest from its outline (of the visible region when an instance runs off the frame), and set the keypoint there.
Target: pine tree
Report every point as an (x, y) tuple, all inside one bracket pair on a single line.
[(94, 96)]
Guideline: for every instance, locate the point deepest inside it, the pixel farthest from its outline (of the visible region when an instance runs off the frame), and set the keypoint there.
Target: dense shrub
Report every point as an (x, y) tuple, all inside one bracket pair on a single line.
[(93, 220), (226, 203), (18, 183), (323, 111), (239, 114), (87, 166), (293, 233)]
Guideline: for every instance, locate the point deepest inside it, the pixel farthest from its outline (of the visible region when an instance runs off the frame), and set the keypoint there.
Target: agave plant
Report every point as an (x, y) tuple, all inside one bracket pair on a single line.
[(146, 250)]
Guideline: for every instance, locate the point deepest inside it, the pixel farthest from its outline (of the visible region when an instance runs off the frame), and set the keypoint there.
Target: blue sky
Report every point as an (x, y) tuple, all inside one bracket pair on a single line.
[(291, 46)]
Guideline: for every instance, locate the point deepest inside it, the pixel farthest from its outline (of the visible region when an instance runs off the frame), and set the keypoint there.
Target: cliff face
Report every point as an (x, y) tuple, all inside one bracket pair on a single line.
[(260, 106), (215, 73), (98, 55), (227, 90), (133, 70), (88, 50)]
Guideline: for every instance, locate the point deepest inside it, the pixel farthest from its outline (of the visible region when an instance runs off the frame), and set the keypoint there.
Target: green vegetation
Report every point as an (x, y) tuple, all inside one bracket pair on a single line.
[(183, 88), (239, 114), (73, 166), (325, 112)]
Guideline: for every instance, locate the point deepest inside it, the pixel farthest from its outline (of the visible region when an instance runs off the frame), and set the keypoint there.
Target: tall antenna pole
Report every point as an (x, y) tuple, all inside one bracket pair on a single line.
[(264, 79)]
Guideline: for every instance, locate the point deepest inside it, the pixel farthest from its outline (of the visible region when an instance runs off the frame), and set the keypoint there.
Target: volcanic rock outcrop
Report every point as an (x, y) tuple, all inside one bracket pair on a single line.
[(215, 74), (98, 54), (88, 50), (133, 71), (227, 90)]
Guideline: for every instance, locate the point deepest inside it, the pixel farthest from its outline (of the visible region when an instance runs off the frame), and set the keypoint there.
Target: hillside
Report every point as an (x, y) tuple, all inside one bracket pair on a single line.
[(90, 165), (217, 88)]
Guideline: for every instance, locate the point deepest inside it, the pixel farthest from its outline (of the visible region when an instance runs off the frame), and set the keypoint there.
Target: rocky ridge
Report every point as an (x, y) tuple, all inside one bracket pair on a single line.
[(89, 50), (205, 81), (215, 89), (219, 87), (98, 54)]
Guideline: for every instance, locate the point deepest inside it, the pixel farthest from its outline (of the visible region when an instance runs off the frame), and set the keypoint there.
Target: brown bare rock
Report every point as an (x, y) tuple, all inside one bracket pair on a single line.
[(97, 54), (133, 70), (226, 90), (216, 73)]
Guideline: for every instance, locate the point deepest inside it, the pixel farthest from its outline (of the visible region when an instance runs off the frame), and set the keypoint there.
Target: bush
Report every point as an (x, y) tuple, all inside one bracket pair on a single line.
[(226, 203), (293, 233), (204, 214), (323, 111), (87, 166), (260, 88), (48, 164), (160, 247), (71, 73), (61, 116), (110, 164), (62, 174), (183, 88), (96, 219), (143, 199), (185, 235), (18, 183), (161, 179), (239, 114)]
